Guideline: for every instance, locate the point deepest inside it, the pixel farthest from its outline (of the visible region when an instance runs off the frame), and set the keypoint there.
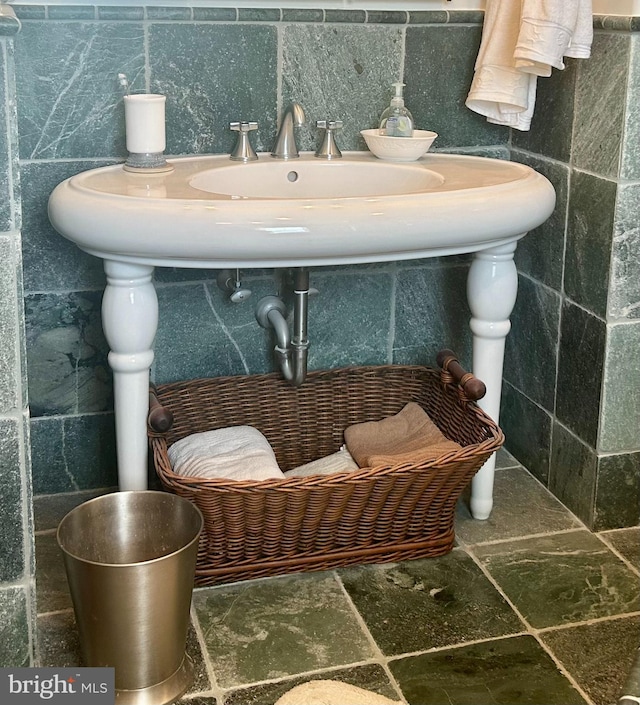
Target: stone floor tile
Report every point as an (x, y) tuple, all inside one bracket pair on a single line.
[(626, 542), (201, 683), (49, 510), (515, 671), (370, 677), (428, 603), (52, 589), (58, 642), (597, 655), (207, 700), (522, 506), (269, 629), (562, 578), (504, 459)]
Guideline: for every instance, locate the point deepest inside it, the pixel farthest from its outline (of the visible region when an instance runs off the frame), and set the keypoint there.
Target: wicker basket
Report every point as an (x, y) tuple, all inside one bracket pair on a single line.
[(259, 528)]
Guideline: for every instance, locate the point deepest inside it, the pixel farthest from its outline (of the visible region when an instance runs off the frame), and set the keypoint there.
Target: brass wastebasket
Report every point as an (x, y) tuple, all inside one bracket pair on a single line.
[(130, 559)]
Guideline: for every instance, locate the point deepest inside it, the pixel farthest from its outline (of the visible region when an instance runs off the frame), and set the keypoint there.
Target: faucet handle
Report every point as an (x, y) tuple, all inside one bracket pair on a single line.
[(243, 126), (243, 151), (329, 149), (329, 124)]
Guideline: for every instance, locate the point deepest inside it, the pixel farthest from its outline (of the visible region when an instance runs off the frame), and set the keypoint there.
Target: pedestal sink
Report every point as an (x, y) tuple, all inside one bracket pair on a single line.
[(209, 212)]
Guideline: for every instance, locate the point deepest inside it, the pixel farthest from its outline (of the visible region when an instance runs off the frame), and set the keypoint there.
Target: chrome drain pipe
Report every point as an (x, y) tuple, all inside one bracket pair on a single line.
[(291, 351)]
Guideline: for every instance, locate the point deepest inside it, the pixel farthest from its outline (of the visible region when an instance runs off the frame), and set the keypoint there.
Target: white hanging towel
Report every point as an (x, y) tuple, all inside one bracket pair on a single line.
[(521, 40)]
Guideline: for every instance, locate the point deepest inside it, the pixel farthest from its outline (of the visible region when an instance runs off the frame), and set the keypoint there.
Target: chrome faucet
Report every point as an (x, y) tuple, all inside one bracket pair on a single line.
[(285, 144)]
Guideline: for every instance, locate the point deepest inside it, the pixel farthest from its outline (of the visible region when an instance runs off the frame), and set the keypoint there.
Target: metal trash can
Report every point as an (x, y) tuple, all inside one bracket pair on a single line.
[(130, 559)]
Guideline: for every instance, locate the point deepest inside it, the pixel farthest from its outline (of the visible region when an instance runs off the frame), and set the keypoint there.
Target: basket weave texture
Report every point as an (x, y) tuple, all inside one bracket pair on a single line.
[(269, 527)]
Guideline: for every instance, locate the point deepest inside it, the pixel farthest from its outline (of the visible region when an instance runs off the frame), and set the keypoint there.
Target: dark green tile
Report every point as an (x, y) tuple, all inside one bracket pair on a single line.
[(387, 17), (428, 17), (573, 472), (12, 556), (224, 338), (589, 241), (562, 578), (424, 324), (620, 415), (454, 599), (527, 428), (624, 285), (466, 17), (175, 274), (541, 253), (49, 510), (122, 12), (600, 104), (71, 12), (215, 14), (198, 700), (371, 677), (554, 106), (626, 542), (14, 628), (58, 641), (168, 13), (356, 16), (6, 167), (532, 346), (348, 80), (617, 502), (258, 14), (599, 656), (52, 589), (200, 683), (69, 100), (504, 459), (293, 15), (521, 507), (50, 261), (269, 629), (30, 12), (73, 453), (431, 54), (67, 354), (11, 319), (349, 320), (580, 369), (513, 671), (239, 63), (630, 166)]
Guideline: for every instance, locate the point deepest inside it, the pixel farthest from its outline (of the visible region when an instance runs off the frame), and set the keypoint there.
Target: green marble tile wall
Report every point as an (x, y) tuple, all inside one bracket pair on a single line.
[(586, 258), (17, 587)]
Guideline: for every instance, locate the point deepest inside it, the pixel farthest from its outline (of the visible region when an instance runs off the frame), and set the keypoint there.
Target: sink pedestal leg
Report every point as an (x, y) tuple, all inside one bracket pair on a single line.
[(130, 321), (492, 286)]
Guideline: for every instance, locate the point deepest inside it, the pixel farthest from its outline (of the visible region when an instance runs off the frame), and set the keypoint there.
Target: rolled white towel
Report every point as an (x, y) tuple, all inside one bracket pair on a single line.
[(342, 461), (234, 453)]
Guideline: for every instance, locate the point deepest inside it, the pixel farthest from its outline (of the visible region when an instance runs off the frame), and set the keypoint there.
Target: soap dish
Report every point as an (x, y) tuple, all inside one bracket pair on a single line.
[(398, 149)]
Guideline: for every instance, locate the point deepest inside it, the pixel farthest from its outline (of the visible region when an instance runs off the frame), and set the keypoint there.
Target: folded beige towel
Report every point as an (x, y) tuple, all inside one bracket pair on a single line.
[(409, 436), (332, 693), (234, 453), (329, 465)]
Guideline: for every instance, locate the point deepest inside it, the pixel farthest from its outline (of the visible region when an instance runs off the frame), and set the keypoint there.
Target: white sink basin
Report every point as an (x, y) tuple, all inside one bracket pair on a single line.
[(315, 179), (210, 211)]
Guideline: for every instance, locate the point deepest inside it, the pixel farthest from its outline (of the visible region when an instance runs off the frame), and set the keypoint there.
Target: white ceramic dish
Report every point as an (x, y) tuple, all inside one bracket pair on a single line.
[(398, 149)]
